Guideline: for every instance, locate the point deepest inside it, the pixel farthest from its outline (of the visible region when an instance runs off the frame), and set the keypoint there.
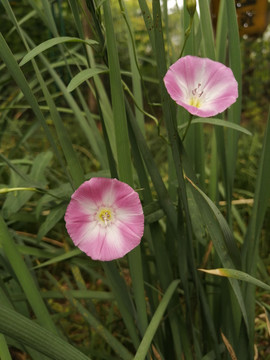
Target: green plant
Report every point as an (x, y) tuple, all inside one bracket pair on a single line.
[(71, 110)]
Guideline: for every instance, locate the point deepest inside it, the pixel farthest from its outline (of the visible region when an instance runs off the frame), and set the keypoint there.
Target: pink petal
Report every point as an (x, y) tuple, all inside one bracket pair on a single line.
[(96, 240), (215, 80)]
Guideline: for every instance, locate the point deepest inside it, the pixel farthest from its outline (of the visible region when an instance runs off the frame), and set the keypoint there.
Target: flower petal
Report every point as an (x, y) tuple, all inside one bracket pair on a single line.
[(97, 240), (214, 82)]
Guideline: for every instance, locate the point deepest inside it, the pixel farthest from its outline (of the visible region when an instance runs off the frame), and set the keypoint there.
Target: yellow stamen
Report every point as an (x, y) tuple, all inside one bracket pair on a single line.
[(195, 102), (105, 215)]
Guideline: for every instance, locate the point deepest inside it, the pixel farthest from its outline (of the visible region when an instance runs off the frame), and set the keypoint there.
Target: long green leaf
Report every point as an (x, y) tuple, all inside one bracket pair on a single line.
[(223, 241), (83, 76), (66, 256), (123, 155), (252, 237), (155, 321), (239, 275), (50, 43), (261, 202), (118, 103), (29, 333), (24, 278), (4, 352), (218, 122)]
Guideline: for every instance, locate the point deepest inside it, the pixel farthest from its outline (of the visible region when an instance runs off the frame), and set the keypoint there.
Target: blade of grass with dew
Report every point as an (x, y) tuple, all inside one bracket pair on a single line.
[(25, 279), (29, 333), (123, 155)]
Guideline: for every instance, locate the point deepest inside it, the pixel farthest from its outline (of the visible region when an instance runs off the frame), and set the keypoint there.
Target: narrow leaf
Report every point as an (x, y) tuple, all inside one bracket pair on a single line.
[(29, 333), (239, 275), (50, 43), (83, 76), (156, 319), (218, 122), (24, 278)]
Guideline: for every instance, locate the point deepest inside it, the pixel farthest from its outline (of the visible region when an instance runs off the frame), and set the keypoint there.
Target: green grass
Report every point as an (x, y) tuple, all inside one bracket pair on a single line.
[(66, 115)]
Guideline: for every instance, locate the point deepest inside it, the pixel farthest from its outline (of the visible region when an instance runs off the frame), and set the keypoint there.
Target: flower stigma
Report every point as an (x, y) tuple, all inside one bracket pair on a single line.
[(195, 99), (105, 216)]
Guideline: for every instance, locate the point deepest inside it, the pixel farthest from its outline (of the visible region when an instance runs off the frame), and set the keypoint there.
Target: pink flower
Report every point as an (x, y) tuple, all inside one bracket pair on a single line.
[(105, 218), (202, 86)]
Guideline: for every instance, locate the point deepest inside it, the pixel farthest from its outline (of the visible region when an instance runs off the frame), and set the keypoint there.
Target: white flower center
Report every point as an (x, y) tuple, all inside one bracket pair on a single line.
[(105, 216), (195, 99)]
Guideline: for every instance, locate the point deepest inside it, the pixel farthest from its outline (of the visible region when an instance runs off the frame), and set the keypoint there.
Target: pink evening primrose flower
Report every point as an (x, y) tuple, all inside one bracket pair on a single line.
[(202, 86), (105, 218)]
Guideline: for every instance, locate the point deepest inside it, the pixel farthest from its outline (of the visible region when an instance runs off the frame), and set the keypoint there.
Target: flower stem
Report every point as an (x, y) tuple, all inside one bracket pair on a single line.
[(187, 33), (188, 125)]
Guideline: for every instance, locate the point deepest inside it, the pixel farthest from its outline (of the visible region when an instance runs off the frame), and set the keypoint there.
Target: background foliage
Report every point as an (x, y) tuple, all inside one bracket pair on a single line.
[(59, 129)]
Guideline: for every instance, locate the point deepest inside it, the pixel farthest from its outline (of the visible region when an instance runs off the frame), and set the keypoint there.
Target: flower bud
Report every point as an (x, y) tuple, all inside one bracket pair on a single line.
[(191, 7)]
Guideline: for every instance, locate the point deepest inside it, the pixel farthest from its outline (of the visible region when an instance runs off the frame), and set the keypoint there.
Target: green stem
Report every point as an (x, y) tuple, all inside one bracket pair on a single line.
[(188, 125), (187, 33)]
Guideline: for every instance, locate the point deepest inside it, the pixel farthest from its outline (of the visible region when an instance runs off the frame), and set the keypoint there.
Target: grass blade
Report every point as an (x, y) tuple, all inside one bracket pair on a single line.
[(218, 122), (155, 321), (29, 333), (4, 352), (49, 44), (239, 275), (24, 278), (83, 76)]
